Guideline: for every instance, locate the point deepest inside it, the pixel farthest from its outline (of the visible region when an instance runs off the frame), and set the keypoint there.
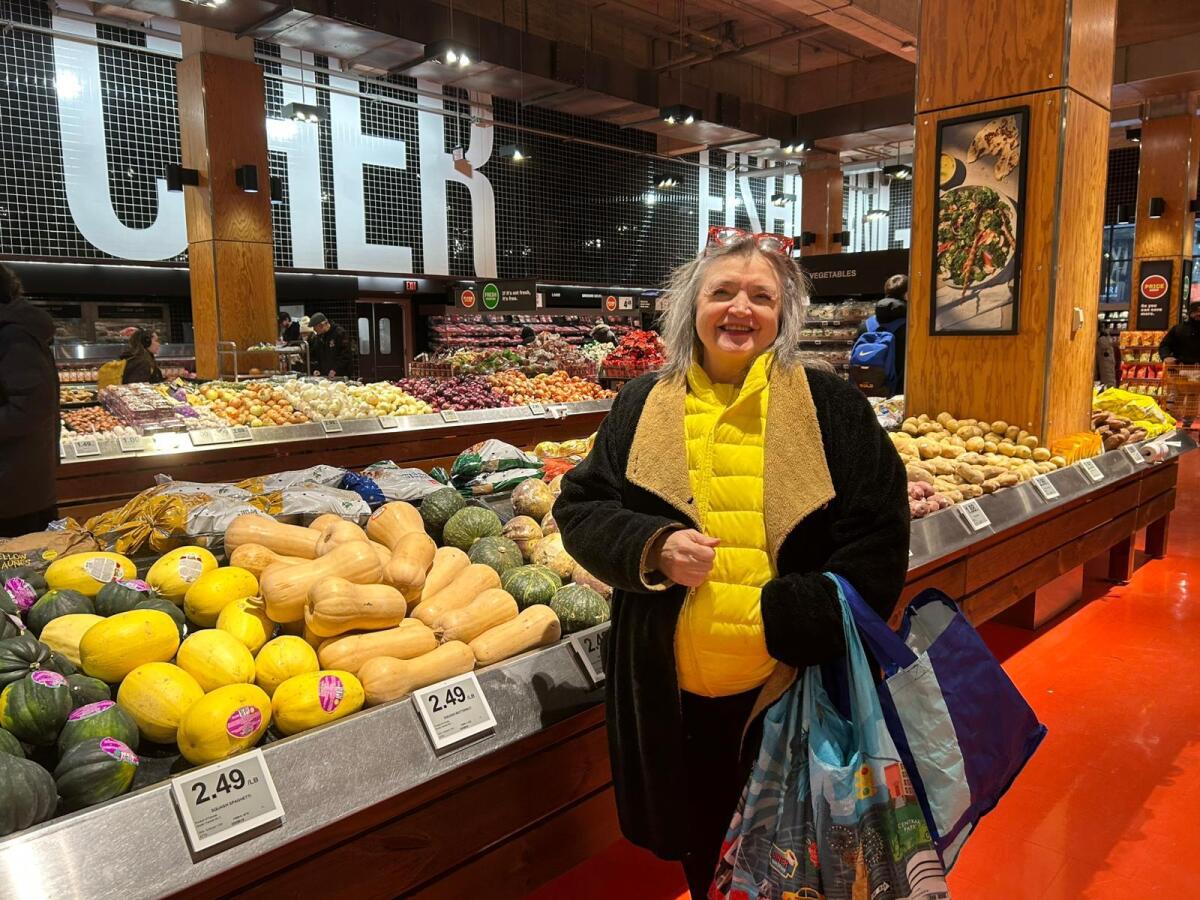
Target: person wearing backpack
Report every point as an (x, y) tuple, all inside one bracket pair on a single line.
[(888, 329)]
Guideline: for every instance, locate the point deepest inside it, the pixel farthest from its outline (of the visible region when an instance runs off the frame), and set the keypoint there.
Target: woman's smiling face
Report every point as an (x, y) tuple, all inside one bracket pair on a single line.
[(737, 315)]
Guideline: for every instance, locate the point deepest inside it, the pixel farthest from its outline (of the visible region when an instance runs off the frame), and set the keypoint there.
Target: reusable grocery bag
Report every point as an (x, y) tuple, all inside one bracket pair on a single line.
[(962, 728), (829, 811)]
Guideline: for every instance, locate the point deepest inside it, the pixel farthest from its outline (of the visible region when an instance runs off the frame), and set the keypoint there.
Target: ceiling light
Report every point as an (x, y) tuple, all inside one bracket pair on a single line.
[(673, 115), (303, 112), (898, 172), (450, 53), (795, 145), (1134, 135), (513, 152), (649, 198), (782, 199), (208, 4), (666, 184), (875, 215), (177, 176)]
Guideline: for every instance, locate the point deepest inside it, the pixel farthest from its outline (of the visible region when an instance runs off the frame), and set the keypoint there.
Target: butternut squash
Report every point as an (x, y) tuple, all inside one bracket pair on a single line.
[(489, 609), (537, 626), (339, 532), (336, 605), (410, 561), (286, 540), (285, 587), (466, 586), (392, 521), (385, 555), (384, 678), (447, 563), (255, 558), (407, 640), (321, 522)]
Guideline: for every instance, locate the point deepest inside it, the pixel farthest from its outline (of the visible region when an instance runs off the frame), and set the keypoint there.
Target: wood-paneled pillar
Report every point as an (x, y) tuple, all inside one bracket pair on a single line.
[(1167, 169), (1054, 56), (821, 201), (222, 118)]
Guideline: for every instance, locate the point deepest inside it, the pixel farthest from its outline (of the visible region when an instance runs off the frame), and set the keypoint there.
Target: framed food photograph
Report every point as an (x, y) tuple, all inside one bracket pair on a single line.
[(981, 162)]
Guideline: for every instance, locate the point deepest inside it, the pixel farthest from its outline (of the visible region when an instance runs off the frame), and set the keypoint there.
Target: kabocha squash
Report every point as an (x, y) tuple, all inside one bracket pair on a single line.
[(27, 794), (384, 678), (392, 521), (580, 575), (112, 649), (255, 558), (321, 522), (498, 552), (98, 720), (21, 655), (281, 659), (489, 609), (223, 723), (215, 658), (247, 620), (407, 640), (549, 552), (336, 606), (178, 570), (410, 561), (469, 525), (85, 689), (438, 507), (64, 634), (88, 572), (535, 627), (55, 603), (94, 770), (120, 596), (524, 532), (10, 745), (285, 588), (156, 695), (448, 562), (313, 699), (531, 584), (215, 590), (286, 540), (339, 532), (36, 707), (466, 586), (532, 498), (578, 607)]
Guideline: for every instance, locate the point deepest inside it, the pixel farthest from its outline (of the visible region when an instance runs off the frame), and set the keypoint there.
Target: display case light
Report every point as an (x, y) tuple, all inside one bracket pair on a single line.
[(304, 112)]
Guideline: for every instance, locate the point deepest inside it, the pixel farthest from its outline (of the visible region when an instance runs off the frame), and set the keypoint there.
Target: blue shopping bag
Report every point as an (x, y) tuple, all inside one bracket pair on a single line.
[(962, 728)]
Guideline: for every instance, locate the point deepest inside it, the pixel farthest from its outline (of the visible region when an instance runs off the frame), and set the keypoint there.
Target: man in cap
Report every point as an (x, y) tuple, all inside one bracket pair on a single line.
[(1182, 343), (329, 348)]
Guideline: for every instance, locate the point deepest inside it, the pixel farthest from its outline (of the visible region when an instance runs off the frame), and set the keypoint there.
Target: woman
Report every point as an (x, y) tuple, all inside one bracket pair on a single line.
[(718, 492), (140, 365)]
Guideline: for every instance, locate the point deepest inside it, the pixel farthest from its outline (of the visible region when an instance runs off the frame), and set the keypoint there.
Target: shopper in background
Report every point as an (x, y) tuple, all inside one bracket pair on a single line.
[(891, 315), (1108, 357), (602, 334), (140, 364), (1182, 343), (718, 492), (28, 412), (329, 348), (528, 335), (289, 331)]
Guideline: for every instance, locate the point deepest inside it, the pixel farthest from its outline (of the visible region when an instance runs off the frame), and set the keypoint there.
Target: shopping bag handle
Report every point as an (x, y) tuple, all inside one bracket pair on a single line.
[(886, 646)]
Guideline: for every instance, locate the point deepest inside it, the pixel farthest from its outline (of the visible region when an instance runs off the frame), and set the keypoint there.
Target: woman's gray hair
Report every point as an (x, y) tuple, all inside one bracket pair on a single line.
[(683, 294)]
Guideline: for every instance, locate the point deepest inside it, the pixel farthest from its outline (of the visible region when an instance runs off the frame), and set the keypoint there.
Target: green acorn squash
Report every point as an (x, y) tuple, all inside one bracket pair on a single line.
[(36, 707), (85, 690), (54, 604), (27, 794), (97, 720), (162, 604), (10, 745), (94, 770), (21, 655), (121, 596)]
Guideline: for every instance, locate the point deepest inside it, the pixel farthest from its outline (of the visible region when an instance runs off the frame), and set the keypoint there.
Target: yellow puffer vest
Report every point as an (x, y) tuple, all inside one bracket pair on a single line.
[(719, 644)]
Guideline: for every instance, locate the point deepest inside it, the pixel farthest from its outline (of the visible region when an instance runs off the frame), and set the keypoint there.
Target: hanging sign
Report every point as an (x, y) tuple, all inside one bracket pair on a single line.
[(1154, 295), (496, 296), (847, 274)]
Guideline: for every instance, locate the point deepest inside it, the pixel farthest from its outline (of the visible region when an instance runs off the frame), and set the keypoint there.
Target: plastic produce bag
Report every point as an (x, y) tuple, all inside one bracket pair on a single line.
[(401, 484), (330, 476), (306, 502), (490, 456), (365, 487)]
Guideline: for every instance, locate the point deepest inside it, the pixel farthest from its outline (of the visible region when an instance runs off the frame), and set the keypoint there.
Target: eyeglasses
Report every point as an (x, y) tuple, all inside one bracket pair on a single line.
[(726, 235)]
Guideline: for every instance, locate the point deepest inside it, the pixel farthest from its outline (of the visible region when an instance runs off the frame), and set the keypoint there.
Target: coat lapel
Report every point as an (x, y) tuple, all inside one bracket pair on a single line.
[(658, 455)]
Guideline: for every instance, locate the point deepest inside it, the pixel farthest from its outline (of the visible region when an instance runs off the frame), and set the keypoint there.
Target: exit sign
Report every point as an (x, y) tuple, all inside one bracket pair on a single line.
[(410, 287)]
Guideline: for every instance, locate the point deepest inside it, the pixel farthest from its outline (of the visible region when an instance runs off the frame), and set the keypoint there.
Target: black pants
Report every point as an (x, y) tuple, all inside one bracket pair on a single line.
[(716, 772), (30, 522)]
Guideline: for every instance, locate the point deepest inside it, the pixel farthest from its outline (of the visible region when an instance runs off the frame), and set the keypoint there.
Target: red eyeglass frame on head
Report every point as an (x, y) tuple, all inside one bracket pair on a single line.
[(766, 241)]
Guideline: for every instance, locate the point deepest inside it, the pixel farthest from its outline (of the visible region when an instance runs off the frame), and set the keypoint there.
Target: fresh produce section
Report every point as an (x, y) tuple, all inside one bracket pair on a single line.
[(450, 332), (558, 387), (636, 353)]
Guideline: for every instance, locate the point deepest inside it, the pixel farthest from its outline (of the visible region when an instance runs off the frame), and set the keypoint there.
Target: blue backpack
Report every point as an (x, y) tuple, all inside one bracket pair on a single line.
[(876, 348)]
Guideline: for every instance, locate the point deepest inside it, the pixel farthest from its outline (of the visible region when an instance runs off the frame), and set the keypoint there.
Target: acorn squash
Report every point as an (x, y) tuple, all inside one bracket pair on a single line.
[(36, 707), (27, 794), (98, 720), (94, 770)]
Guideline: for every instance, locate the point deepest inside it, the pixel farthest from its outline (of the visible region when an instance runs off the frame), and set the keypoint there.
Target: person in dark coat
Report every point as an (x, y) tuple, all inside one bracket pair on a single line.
[(329, 349), (528, 335), (141, 367), (636, 513), (29, 422), (1182, 343), (289, 331)]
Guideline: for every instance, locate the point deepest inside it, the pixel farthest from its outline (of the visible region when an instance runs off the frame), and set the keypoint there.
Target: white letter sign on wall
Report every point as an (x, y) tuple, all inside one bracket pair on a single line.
[(301, 142)]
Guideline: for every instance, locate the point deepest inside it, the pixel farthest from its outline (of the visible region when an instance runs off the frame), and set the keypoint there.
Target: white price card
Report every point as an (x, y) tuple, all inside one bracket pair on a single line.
[(556, 412), (331, 426), (241, 433), (538, 409), (589, 645), (200, 437), (454, 710), (225, 801), (1045, 487), (87, 446), (387, 423), (1135, 454), (1091, 470), (449, 415), (130, 443), (221, 435), (62, 449), (974, 515)]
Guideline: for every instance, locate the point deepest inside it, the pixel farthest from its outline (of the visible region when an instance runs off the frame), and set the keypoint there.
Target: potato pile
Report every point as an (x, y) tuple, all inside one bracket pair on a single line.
[(1116, 431), (961, 459)]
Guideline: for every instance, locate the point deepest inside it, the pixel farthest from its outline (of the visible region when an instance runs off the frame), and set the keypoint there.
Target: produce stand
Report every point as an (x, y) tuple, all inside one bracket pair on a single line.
[(370, 808)]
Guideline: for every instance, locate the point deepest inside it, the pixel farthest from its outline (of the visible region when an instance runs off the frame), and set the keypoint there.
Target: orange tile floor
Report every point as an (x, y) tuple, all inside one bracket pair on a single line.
[(1106, 809)]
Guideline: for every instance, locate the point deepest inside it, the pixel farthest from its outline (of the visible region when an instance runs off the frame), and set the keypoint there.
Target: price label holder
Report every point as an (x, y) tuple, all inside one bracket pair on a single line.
[(589, 646), (87, 446), (1091, 470), (454, 711), (387, 423), (1135, 454), (1045, 487), (240, 433), (974, 516), (537, 409), (130, 443), (556, 412), (231, 800), (62, 449), (449, 416), (331, 426), (221, 435), (200, 437)]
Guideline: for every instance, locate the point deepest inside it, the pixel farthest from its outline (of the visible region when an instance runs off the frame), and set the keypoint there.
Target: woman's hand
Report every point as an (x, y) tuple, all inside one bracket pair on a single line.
[(685, 557)]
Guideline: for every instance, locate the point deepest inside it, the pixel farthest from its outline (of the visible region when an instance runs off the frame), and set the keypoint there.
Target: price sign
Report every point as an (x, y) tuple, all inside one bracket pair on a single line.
[(331, 426), (241, 433), (1135, 454), (556, 412), (589, 645), (200, 437), (388, 422), (1045, 487), (1091, 470), (62, 449), (449, 416), (974, 515), (130, 443), (225, 801), (454, 710), (87, 446), (538, 409), (221, 435)]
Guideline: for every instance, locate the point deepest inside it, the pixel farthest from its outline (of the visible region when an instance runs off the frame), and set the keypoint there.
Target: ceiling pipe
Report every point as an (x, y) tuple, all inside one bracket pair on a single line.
[(798, 34), (666, 29)]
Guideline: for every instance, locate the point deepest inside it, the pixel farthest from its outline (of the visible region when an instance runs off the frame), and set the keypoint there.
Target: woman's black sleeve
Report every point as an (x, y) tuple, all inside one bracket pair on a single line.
[(599, 532)]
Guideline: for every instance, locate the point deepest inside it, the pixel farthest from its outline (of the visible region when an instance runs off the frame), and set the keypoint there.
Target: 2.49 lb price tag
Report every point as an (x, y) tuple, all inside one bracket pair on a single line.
[(222, 802), (589, 645), (454, 710)]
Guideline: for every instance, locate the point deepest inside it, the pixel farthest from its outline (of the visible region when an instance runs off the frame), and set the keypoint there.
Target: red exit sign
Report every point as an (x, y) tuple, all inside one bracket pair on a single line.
[(410, 287)]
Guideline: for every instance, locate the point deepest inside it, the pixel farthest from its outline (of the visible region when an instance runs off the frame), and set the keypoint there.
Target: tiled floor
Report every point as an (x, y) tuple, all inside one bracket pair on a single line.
[(1107, 808)]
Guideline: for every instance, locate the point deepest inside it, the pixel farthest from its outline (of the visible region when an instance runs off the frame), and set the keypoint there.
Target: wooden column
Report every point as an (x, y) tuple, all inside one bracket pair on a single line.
[(1054, 56), (222, 117), (1167, 169), (821, 202)]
